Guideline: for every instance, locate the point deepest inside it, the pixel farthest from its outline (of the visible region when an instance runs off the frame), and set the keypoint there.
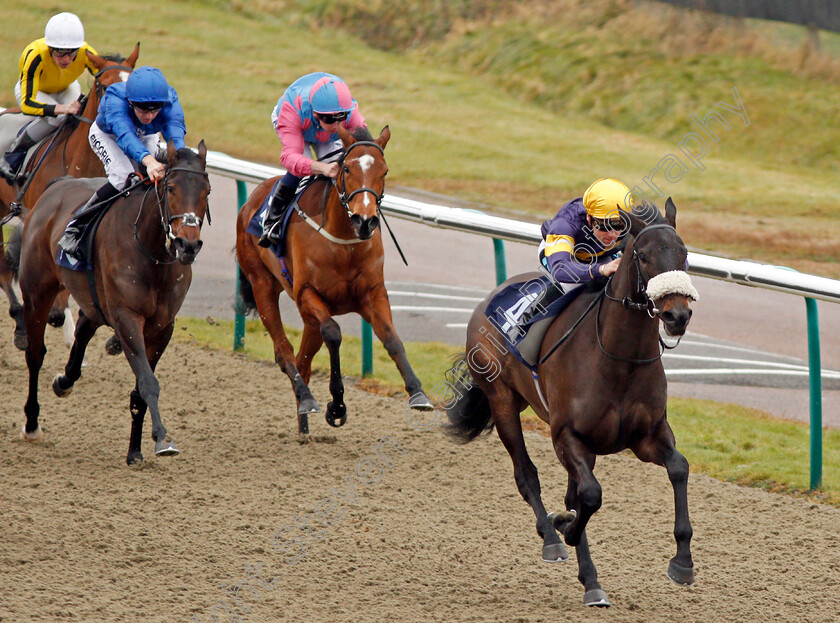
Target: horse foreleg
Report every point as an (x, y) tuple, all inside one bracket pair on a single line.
[(377, 312), (129, 328), (138, 407), (320, 328), (584, 497), (63, 383), (509, 426), (660, 449)]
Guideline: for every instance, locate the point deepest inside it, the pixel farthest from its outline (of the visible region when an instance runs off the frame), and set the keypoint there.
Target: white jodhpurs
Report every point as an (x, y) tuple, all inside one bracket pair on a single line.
[(43, 126), (117, 165)]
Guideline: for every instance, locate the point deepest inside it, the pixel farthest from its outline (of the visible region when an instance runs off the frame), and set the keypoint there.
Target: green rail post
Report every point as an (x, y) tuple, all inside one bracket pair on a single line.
[(239, 305), (367, 349), (815, 375), (501, 264)]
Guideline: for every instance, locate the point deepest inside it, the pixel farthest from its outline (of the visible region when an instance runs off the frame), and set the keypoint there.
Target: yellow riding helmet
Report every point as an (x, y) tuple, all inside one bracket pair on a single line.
[(605, 197)]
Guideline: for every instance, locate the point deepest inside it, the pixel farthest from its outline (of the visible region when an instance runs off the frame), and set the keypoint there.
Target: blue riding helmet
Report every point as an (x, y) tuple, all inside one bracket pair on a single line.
[(147, 84), (330, 95)]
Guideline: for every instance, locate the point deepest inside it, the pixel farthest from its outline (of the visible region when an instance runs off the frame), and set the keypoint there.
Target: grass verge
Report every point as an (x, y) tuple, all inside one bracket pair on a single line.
[(728, 442)]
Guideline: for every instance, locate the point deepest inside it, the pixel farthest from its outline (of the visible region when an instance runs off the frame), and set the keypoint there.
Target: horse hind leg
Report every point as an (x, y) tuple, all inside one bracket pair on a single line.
[(138, 408), (35, 312), (63, 383), (509, 426), (267, 291)]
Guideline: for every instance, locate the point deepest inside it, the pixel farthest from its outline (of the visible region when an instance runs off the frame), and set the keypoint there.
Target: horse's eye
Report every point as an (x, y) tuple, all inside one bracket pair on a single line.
[(346, 170), (643, 258), (384, 174), (170, 189)]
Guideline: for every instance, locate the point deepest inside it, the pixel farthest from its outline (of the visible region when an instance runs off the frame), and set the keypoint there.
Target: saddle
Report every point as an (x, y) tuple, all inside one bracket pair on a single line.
[(255, 226), (523, 311)]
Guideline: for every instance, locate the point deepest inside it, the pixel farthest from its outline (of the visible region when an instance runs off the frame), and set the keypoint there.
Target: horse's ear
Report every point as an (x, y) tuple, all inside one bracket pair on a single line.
[(202, 153), (171, 152), (384, 137), (96, 60), (671, 213), (132, 58), (345, 136), (636, 224)]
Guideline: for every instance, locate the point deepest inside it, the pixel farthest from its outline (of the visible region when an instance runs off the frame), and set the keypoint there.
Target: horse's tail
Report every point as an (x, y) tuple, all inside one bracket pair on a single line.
[(246, 302), (470, 416), (11, 255)]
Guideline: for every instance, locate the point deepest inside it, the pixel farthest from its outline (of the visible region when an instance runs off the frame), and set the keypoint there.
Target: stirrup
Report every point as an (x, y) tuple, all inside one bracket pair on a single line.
[(270, 236)]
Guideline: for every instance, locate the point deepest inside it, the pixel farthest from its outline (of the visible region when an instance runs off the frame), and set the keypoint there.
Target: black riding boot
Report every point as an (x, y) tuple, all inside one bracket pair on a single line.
[(11, 162), (100, 201), (277, 205)]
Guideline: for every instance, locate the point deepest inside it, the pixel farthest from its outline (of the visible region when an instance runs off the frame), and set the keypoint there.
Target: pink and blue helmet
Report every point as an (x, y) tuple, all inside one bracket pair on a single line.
[(330, 95)]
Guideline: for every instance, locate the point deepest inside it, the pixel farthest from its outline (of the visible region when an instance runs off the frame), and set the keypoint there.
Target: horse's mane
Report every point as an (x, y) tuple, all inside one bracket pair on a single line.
[(361, 133), (116, 58), (187, 155)]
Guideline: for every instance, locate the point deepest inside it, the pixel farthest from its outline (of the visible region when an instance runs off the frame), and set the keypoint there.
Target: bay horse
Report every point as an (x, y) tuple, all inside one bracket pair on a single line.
[(142, 256), (334, 261), (65, 152), (600, 386)]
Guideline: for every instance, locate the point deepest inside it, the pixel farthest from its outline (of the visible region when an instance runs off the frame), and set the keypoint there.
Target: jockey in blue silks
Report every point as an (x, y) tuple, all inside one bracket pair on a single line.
[(131, 117)]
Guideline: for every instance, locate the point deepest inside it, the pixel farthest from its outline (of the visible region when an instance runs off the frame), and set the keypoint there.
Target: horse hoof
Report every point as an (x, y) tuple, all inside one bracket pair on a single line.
[(20, 341), (420, 402), (336, 414), (560, 519), (35, 435), (58, 389), (308, 405), (113, 346), (556, 552), (166, 448), (56, 319), (596, 597), (134, 458), (684, 576)]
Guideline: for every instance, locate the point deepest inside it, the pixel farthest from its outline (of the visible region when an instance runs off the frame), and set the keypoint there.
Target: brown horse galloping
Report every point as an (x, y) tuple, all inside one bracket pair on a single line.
[(334, 260), (142, 258), (604, 388), (66, 152)]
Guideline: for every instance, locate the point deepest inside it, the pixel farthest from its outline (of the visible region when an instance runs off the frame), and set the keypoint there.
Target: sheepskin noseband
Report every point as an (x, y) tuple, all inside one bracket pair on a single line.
[(671, 282)]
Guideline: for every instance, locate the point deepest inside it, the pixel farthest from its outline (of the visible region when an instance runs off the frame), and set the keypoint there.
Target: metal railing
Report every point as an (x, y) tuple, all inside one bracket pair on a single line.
[(753, 274)]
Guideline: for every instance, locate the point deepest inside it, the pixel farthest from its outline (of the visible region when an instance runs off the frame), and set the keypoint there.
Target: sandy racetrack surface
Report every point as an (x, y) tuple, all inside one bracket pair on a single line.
[(420, 530)]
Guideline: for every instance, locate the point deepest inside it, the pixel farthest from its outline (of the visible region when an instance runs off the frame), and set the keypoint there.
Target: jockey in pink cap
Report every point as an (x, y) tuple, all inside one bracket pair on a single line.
[(308, 115)]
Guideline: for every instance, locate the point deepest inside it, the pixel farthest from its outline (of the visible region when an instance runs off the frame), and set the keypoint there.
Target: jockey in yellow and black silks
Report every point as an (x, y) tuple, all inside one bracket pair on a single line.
[(47, 89)]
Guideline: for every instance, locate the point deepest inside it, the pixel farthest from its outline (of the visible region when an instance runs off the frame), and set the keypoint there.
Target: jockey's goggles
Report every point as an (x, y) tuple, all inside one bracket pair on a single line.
[(62, 52), (330, 118), (148, 106), (614, 225)]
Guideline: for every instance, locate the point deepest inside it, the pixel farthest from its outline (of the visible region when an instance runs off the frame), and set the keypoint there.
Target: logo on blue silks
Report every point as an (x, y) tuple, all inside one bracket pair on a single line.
[(523, 311)]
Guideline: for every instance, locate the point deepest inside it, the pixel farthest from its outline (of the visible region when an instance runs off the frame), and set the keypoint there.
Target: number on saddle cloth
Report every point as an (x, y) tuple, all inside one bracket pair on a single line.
[(523, 311)]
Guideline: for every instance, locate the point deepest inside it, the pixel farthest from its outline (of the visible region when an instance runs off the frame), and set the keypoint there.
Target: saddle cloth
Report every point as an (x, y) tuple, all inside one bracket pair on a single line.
[(523, 311), (255, 226)]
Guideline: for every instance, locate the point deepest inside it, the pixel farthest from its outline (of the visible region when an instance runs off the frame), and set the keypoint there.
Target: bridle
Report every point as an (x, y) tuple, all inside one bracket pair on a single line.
[(190, 219), (628, 303), (339, 182), (641, 279)]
